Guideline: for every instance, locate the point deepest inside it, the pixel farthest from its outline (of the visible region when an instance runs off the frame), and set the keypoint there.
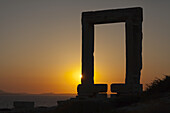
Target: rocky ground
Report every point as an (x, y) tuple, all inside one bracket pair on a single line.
[(156, 99), (130, 104), (157, 105)]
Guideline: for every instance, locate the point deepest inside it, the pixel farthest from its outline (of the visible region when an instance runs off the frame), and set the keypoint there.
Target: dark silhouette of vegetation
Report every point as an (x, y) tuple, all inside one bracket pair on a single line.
[(155, 99), (159, 86)]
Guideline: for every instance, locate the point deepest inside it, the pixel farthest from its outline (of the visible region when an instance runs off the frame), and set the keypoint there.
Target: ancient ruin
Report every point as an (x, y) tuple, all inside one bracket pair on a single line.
[(133, 18)]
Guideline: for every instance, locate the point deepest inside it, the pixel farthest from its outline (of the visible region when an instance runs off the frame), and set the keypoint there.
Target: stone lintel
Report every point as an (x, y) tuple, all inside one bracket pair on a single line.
[(113, 15)]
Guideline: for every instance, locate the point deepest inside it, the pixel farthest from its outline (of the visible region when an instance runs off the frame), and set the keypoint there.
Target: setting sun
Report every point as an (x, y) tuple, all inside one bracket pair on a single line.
[(81, 76)]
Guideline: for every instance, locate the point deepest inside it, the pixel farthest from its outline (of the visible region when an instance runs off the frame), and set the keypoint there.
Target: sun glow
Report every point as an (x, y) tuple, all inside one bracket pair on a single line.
[(73, 74), (81, 76)]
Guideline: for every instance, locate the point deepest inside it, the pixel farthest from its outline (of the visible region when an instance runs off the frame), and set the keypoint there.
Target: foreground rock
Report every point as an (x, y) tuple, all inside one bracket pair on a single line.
[(155, 105)]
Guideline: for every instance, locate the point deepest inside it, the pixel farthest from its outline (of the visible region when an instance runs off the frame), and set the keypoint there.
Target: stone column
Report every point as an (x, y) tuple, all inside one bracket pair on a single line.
[(87, 53), (133, 51)]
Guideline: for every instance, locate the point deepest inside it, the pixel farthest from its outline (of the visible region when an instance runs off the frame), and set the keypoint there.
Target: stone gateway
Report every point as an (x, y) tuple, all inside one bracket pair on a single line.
[(133, 18)]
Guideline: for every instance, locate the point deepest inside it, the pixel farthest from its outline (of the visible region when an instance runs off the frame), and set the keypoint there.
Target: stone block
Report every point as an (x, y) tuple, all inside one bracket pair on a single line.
[(91, 90), (127, 88), (23, 105), (101, 95)]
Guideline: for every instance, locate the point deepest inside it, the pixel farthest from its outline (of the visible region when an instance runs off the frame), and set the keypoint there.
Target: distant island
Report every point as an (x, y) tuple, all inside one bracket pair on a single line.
[(4, 93), (45, 94)]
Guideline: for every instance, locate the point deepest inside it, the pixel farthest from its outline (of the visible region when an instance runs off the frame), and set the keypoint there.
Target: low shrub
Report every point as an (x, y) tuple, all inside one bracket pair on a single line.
[(159, 86)]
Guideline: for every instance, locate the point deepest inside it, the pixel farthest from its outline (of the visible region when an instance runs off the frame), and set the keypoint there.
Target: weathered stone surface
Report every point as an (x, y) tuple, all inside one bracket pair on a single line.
[(91, 90), (126, 88), (104, 95), (133, 18)]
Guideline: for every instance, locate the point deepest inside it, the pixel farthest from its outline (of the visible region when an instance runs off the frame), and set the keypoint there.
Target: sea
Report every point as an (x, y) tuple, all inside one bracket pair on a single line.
[(6, 101)]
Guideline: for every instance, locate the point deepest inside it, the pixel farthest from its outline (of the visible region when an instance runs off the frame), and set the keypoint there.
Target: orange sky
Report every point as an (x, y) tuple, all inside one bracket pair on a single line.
[(40, 44)]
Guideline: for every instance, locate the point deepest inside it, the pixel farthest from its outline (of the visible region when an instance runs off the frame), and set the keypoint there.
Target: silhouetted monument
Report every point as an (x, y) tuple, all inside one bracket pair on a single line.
[(133, 18)]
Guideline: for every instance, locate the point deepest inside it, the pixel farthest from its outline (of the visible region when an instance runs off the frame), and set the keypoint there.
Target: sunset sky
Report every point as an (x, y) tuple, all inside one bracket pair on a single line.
[(40, 44)]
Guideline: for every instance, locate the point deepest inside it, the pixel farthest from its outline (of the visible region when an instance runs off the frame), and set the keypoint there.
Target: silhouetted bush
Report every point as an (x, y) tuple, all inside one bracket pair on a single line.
[(159, 86)]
